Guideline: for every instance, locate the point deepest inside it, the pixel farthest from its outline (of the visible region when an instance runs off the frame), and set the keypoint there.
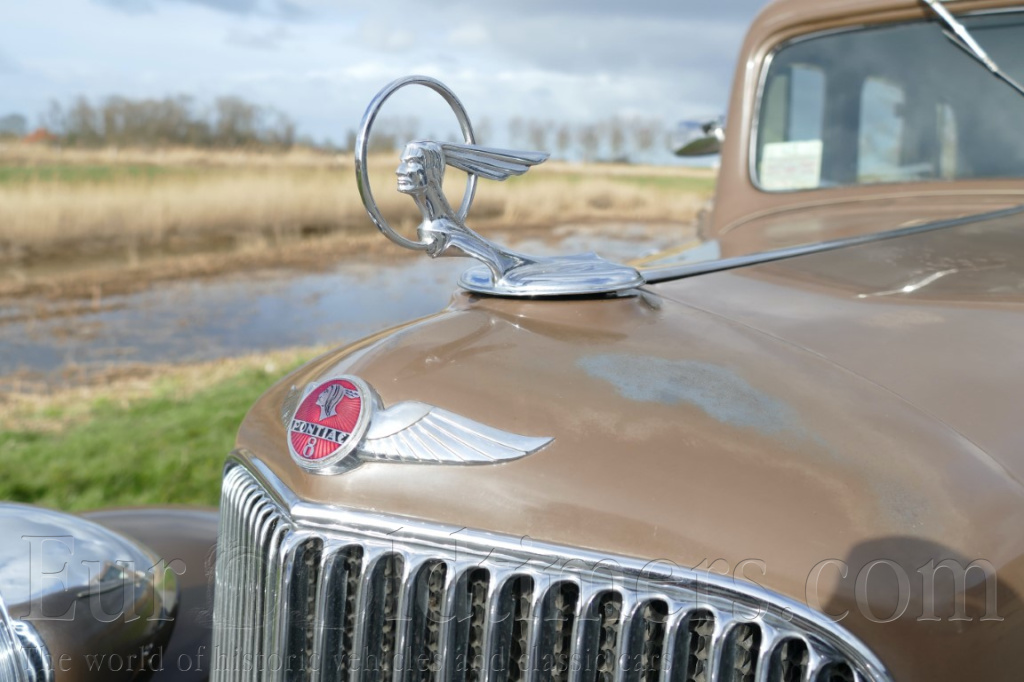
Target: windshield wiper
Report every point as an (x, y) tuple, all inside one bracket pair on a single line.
[(963, 39)]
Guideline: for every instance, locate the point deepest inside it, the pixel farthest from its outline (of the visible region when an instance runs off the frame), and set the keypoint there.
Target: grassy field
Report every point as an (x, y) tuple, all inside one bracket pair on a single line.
[(77, 204), (157, 438)]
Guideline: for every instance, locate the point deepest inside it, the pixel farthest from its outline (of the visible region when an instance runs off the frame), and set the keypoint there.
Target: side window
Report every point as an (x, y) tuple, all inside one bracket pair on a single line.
[(880, 142), (791, 129)]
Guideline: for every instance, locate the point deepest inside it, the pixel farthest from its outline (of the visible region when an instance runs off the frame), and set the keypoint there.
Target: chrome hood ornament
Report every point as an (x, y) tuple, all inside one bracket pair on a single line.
[(443, 231), (340, 421)]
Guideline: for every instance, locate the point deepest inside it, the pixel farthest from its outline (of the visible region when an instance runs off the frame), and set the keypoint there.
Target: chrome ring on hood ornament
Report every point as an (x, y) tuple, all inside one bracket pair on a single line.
[(443, 231)]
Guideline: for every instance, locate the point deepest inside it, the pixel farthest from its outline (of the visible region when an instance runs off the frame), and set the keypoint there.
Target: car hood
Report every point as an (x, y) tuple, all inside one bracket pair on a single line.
[(848, 406)]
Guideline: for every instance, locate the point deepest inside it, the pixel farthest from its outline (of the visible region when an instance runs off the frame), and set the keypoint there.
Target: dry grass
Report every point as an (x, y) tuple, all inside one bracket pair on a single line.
[(199, 197)]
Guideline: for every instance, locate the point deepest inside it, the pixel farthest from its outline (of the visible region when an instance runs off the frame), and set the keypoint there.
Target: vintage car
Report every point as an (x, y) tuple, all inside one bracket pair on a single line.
[(793, 451)]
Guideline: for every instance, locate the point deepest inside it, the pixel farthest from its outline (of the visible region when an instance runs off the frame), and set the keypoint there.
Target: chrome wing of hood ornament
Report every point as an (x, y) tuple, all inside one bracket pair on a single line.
[(340, 421), (443, 231)]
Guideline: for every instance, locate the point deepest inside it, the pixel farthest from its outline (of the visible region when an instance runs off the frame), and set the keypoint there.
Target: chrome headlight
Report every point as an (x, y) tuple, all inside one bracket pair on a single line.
[(70, 584)]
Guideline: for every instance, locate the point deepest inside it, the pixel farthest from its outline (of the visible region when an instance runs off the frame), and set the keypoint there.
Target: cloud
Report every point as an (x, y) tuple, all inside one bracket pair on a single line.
[(322, 60), (270, 39), (7, 64), (282, 9), (473, 34), (129, 6), (386, 35)]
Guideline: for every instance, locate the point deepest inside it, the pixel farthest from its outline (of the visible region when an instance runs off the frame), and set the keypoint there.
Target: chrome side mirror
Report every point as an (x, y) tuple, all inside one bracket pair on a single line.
[(694, 138)]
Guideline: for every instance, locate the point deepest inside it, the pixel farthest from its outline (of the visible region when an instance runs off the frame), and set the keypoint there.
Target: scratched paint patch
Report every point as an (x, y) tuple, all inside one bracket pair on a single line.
[(714, 389)]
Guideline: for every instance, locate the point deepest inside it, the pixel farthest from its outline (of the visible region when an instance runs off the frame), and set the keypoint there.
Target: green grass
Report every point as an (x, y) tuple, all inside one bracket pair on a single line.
[(164, 449)]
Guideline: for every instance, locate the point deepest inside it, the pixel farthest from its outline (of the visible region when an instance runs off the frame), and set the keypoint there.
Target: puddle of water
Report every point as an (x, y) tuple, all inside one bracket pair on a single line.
[(235, 314), (194, 321)]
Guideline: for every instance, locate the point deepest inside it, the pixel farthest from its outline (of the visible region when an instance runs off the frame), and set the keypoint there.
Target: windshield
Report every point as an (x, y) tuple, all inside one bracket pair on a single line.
[(891, 104)]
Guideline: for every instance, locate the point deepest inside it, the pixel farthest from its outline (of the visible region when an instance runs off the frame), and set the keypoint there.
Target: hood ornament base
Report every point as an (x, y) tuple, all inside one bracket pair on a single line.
[(577, 275), (443, 231)]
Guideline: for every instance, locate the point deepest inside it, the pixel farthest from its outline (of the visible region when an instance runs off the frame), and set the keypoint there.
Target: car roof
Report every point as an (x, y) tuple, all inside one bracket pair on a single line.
[(781, 13)]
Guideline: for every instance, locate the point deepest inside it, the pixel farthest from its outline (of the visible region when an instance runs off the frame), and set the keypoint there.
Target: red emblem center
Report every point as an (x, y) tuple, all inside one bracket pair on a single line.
[(326, 419)]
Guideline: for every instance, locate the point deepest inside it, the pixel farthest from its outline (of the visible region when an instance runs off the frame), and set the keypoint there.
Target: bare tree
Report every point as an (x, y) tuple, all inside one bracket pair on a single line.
[(53, 118), (537, 133), (590, 141), (483, 130), (644, 133), (82, 124), (617, 138), (563, 139), (516, 128)]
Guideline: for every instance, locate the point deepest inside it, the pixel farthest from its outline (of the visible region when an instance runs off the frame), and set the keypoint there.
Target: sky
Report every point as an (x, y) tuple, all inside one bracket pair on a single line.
[(321, 61)]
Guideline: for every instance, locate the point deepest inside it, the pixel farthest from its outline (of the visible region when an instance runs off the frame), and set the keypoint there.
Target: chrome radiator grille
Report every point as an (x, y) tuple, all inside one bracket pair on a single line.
[(314, 593)]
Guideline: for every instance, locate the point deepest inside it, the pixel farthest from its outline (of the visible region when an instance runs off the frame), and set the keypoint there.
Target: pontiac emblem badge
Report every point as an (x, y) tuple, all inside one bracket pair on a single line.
[(340, 422), (330, 421)]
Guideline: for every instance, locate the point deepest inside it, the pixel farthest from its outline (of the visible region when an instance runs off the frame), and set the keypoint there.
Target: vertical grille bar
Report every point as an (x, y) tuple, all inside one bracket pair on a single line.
[(371, 556), (227, 582), (512, 629), (248, 556), (466, 632), (600, 665), (535, 621), (694, 652), (628, 608), (253, 635), (339, 590), (647, 642), (295, 625), (476, 596), (740, 653), (494, 625), (380, 619), (422, 645), (557, 623), (401, 664), (275, 553)]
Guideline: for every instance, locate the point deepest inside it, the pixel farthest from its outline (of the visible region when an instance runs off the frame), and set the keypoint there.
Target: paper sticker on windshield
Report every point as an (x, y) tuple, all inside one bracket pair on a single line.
[(791, 165)]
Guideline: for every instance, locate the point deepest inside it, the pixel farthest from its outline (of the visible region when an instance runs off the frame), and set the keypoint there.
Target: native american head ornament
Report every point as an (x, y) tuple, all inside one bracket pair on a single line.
[(443, 231), (327, 400)]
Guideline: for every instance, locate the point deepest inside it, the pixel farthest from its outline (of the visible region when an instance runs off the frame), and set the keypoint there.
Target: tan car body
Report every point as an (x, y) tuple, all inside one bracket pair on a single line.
[(774, 422)]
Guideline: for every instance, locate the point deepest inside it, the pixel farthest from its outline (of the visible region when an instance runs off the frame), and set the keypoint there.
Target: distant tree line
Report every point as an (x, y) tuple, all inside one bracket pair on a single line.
[(122, 121), (613, 139), (230, 122)]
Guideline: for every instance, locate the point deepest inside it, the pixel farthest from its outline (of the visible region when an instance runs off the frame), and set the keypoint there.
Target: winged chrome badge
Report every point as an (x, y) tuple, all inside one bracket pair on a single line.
[(338, 422), (444, 232)]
